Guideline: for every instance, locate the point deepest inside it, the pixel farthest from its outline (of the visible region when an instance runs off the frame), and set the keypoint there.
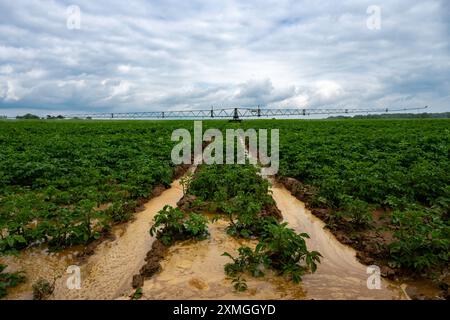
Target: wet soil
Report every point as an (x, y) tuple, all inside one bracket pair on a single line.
[(370, 244), (106, 267)]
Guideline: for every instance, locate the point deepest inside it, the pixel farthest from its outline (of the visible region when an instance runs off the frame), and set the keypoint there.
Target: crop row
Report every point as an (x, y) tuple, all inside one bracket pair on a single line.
[(357, 168), (239, 195), (66, 183)]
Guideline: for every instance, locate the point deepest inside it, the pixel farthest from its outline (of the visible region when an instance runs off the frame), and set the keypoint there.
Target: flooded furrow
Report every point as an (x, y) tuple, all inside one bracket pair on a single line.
[(106, 274), (195, 270), (37, 263), (339, 275)]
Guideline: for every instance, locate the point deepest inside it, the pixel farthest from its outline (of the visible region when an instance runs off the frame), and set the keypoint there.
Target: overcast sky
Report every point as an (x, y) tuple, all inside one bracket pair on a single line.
[(160, 55)]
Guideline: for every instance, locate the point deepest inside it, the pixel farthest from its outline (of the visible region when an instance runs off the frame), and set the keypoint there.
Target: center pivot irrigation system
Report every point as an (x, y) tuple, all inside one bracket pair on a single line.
[(230, 113)]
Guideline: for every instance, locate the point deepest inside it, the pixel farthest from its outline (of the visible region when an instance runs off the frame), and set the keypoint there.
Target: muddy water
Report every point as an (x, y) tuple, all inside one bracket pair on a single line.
[(195, 270), (37, 263), (340, 275), (108, 273)]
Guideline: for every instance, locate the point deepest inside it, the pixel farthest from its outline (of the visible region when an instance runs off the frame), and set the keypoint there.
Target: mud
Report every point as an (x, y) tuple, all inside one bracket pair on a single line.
[(195, 270), (369, 244), (339, 275), (271, 211), (152, 263), (39, 263), (107, 271)]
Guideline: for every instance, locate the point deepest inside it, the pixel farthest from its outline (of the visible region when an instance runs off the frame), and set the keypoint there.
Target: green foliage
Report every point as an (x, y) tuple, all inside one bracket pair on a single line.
[(137, 294), (236, 191), (28, 116), (171, 224), (219, 183), (42, 289), (287, 250), (356, 211), (9, 280), (239, 284), (356, 166), (248, 261), (280, 249), (375, 161), (121, 211), (55, 175), (422, 240), (47, 169)]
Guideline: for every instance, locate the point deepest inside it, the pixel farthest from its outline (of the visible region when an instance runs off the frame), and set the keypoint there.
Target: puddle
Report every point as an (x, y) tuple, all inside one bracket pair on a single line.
[(195, 270), (108, 272), (37, 263), (340, 275)]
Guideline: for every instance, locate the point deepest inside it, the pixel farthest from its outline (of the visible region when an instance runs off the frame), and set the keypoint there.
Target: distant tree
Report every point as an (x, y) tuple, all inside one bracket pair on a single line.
[(28, 116), (397, 116), (49, 117)]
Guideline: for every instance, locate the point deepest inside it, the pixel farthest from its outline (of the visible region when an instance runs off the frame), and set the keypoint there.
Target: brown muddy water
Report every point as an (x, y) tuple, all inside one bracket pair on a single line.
[(107, 274), (339, 275), (194, 270)]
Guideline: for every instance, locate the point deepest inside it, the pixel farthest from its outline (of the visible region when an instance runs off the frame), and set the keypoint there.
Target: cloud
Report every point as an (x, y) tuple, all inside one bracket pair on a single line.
[(158, 55), (6, 69)]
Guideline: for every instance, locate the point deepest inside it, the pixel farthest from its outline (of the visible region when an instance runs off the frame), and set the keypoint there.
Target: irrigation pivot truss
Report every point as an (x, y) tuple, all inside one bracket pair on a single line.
[(230, 113)]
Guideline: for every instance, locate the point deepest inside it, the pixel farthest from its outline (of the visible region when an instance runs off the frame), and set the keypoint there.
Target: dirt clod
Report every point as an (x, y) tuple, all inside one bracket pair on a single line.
[(157, 252), (158, 190), (271, 211), (150, 268), (180, 170), (152, 259), (186, 202), (387, 272), (138, 281)]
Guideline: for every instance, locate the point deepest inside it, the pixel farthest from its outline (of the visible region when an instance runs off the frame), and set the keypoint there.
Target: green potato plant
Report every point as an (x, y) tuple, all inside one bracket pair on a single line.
[(281, 249), (9, 280), (172, 224)]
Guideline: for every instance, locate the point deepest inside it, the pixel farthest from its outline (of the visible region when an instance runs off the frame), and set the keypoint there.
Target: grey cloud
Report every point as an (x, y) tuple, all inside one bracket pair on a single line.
[(151, 55)]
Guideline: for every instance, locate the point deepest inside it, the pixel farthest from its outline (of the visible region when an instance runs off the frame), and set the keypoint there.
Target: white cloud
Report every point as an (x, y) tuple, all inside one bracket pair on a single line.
[(152, 55), (327, 89), (10, 93), (74, 83), (35, 74), (6, 69), (124, 68)]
